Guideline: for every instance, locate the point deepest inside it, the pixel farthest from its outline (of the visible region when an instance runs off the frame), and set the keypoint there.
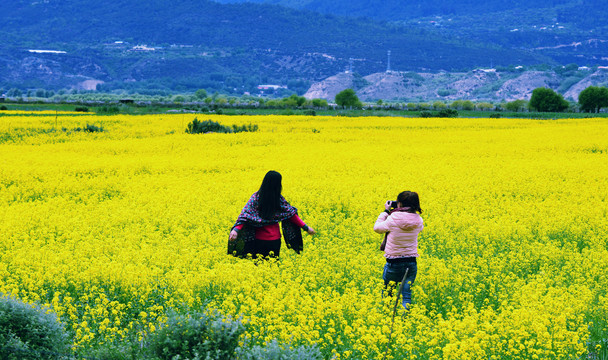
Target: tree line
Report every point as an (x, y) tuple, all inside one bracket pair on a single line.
[(592, 99)]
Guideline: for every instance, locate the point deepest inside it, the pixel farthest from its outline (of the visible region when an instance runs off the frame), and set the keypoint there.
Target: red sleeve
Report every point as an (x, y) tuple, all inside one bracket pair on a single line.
[(296, 220), (238, 227)]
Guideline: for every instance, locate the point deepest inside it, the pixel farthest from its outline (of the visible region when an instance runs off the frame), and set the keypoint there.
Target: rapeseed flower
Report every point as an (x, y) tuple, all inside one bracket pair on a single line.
[(116, 228)]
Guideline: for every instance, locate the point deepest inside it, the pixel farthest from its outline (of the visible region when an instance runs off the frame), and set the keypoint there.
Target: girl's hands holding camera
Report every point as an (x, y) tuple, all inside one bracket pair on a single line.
[(387, 206)]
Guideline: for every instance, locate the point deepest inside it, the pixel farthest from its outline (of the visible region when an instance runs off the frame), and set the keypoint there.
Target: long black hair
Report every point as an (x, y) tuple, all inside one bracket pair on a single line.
[(410, 200), (269, 195)]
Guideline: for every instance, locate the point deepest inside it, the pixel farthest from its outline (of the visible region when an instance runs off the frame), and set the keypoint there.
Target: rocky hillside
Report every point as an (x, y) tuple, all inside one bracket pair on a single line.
[(481, 84), (594, 79)]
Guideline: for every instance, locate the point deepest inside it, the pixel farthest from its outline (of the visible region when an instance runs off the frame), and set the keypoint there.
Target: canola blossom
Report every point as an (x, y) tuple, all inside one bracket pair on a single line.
[(114, 229)]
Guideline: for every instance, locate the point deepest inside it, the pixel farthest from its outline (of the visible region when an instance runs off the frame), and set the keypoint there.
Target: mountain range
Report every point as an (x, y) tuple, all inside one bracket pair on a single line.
[(162, 46)]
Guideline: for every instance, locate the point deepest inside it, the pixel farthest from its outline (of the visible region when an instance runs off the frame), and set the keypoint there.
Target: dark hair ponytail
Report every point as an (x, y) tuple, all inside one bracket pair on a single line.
[(410, 200), (269, 195)]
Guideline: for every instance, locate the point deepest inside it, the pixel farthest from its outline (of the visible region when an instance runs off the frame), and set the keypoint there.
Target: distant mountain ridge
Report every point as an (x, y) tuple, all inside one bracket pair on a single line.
[(394, 10), (542, 26), (182, 45)]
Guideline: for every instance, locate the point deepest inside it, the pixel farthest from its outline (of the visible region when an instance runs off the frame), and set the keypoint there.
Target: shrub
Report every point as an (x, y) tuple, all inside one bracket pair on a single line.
[(448, 113), (495, 116), (198, 127), (446, 92), (245, 128), (196, 336), (274, 351), (207, 126), (413, 76), (3, 107), (125, 350), (310, 112), (30, 332), (426, 114), (108, 110), (81, 109), (90, 128)]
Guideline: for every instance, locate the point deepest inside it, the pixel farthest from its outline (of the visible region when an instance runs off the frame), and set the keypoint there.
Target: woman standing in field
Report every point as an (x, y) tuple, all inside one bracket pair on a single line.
[(256, 230), (401, 224)]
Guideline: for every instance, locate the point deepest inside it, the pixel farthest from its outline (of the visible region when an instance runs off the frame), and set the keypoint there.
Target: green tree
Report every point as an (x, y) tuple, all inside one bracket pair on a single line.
[(516, 105), (463, 105), (424, 106), (348, 98), (200, 94), (289, 102), (299, 100), (319, 103), (438, 105), (14, 92), (547, 100), (179, 99), (485, 106), (456, 104), (468, 105), (593, 98)]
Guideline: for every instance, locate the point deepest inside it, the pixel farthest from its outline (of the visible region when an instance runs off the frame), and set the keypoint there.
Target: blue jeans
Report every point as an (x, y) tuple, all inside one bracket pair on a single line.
[(394, 272)]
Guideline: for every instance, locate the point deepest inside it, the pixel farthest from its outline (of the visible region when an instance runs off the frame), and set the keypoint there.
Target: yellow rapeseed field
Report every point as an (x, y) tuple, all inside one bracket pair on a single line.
[(114, 229)]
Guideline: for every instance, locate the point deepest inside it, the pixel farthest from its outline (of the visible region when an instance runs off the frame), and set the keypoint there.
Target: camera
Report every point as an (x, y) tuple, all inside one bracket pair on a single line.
[(393, 204)]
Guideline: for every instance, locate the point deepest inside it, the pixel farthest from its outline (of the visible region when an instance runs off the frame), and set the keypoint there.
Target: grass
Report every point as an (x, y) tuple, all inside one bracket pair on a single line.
[(101, 109)]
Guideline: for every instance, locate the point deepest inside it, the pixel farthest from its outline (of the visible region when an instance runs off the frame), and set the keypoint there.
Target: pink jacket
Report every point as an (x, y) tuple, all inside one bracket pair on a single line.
[(403, 229)]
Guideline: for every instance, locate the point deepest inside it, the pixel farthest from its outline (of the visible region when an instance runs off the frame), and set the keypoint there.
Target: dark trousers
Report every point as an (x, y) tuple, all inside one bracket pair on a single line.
[(393, 275), (264, 248)]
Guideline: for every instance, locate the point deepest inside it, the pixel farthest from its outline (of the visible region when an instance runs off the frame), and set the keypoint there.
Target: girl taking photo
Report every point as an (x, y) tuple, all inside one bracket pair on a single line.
[(401, 223)]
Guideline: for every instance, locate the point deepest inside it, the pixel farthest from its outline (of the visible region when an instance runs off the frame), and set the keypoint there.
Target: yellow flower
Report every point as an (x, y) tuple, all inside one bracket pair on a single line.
[(114, 229)]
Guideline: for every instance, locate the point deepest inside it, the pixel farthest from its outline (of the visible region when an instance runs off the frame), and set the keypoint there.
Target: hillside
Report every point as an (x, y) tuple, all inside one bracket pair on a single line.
[(163, 45), (489, 84), (558, 29), (399, 10)]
